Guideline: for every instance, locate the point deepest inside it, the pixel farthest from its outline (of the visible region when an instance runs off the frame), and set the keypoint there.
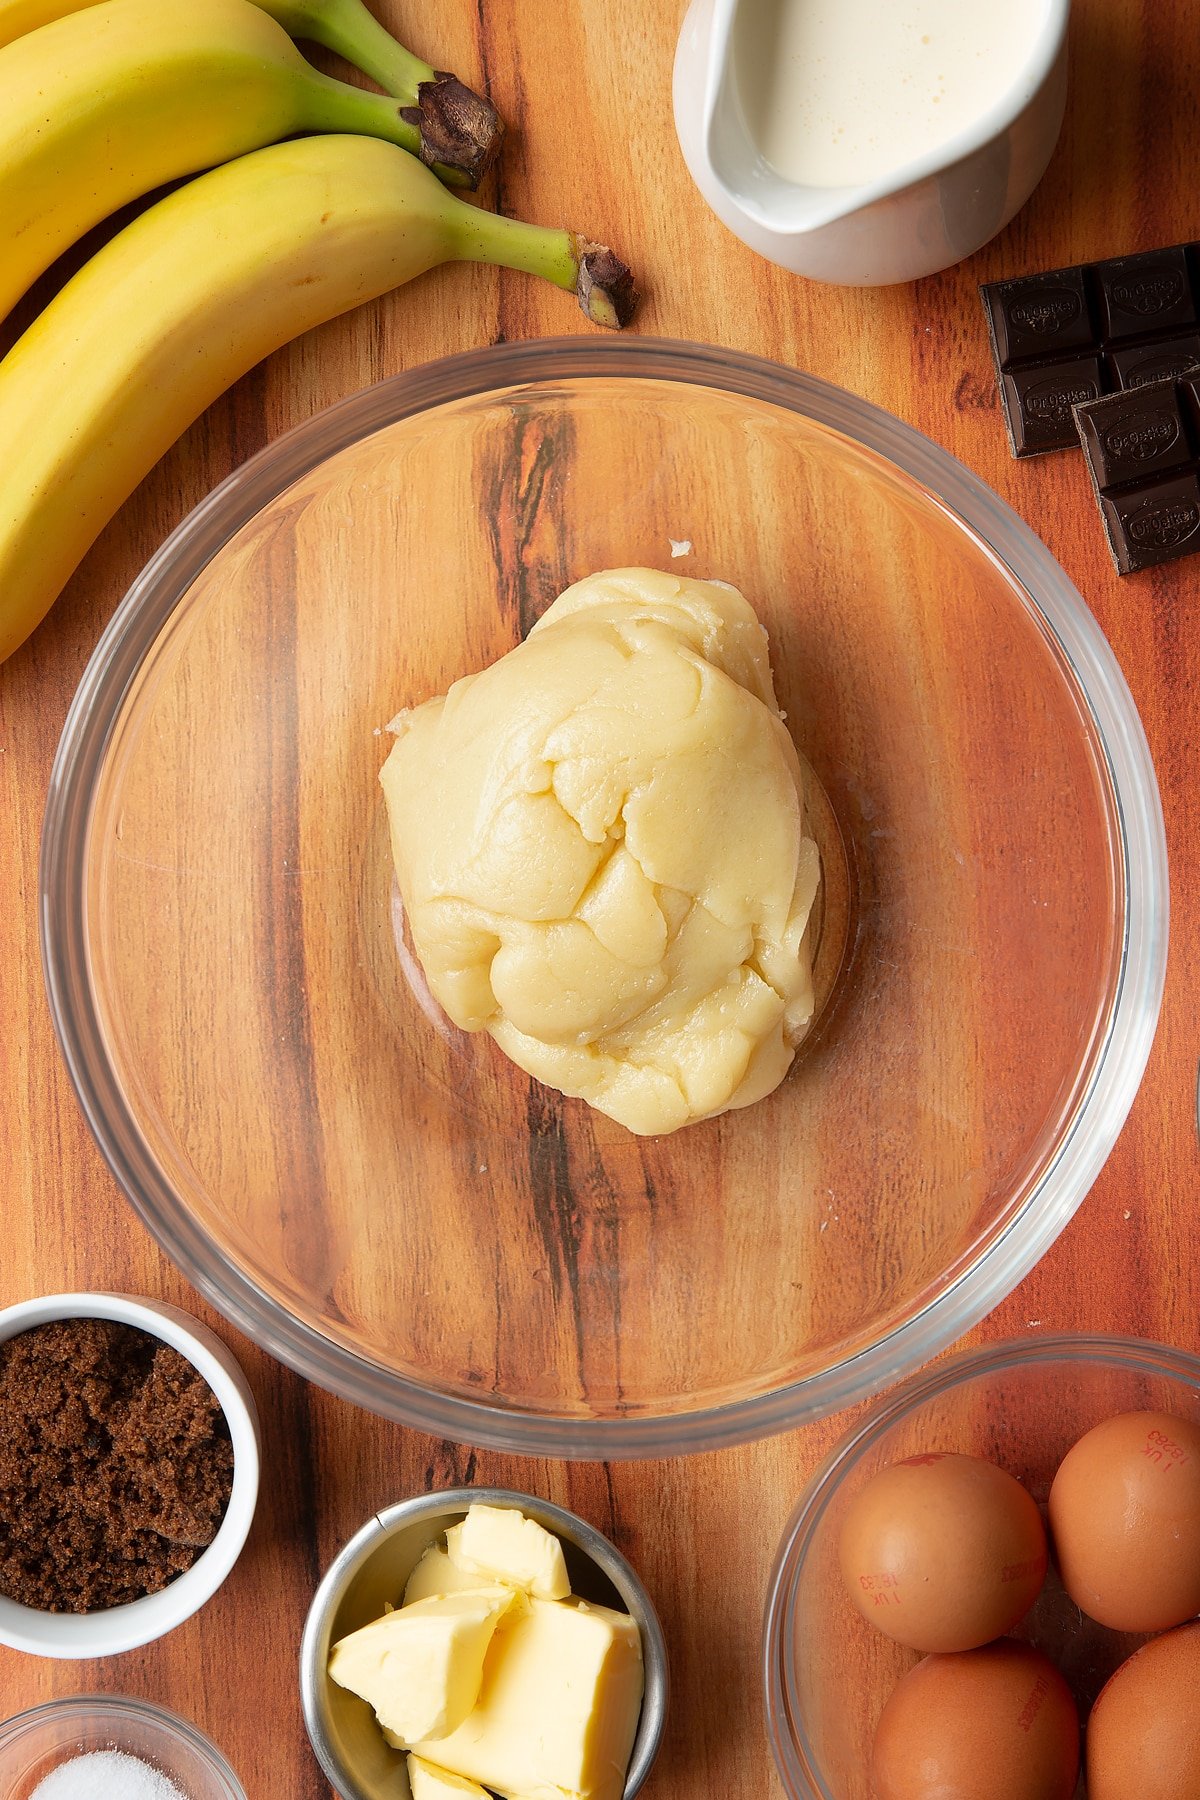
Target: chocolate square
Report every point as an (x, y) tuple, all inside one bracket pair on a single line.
[(1039, 401), (1162, 361), (1153, 524), (1040, 315), (1136, 435), (1150, 292)]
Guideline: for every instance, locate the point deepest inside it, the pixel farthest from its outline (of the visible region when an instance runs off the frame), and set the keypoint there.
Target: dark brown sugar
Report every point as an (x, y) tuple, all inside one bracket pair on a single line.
[(115, 1465)]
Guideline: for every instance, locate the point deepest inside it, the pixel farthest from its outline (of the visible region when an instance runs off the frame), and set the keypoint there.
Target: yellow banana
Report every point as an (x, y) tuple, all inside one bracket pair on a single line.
[(106, 104), (192, 294), (17, 17), (459, 132)]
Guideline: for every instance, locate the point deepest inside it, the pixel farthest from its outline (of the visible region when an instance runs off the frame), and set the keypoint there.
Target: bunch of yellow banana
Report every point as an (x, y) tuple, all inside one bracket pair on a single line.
[(449, 126), (100, 105)]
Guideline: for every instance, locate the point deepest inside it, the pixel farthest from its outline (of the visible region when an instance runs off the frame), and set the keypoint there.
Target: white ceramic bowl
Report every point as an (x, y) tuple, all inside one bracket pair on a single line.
[(117, 1628), (922, 217)]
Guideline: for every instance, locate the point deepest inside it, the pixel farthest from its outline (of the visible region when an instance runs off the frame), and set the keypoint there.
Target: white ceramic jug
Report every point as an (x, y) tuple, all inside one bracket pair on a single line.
[(923, 217)]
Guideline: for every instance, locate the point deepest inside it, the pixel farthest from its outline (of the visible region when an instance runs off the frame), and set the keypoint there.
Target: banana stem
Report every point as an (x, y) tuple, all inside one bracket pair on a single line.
[(602, 282), (350, 29), (456, 132), (339, 106)]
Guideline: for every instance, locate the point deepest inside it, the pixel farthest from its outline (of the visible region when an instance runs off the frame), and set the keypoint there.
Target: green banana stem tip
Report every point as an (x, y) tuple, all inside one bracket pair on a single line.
[(461, 132), (605, 285)]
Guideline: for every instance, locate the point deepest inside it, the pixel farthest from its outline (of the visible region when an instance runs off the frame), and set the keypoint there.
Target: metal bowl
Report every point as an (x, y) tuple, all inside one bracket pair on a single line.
[(371, 1572)]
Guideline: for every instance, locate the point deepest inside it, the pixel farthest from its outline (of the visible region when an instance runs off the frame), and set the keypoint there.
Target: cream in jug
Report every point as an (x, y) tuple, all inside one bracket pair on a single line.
[(841, 92)]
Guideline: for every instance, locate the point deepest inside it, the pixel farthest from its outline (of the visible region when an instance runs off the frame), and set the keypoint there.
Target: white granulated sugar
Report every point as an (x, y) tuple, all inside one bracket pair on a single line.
[(106, 1775)]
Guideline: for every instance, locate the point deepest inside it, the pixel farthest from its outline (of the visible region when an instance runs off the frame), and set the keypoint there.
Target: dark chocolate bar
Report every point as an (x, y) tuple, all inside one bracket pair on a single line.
[(1143, 453), (1062, 339)]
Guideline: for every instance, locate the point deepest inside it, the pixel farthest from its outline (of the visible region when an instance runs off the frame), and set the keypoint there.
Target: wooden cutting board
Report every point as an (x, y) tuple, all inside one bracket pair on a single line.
[(593, 147)]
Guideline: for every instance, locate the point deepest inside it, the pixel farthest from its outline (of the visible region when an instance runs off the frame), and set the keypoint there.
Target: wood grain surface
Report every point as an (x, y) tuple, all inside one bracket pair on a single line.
[(588, 92)]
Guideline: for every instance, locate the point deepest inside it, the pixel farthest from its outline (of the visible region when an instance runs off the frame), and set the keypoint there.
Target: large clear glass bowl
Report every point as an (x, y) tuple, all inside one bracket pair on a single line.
[(390, 1206), (1022, 1404)]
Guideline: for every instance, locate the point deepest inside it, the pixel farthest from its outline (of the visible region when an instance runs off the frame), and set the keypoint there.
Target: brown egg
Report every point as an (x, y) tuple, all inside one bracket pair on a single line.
[(991, 1724), (1143, 1736), (1125, 1518), (943, 1552)]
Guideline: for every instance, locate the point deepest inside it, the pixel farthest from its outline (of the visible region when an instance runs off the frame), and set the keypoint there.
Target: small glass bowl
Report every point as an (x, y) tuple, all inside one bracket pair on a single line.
[(36, 1742), (1022, 1405)]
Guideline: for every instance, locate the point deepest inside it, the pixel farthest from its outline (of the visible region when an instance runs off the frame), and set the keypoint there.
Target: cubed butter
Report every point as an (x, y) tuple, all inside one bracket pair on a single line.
[(436, 1574), (558, 1706), (498, 1543), (421, 1668), (427, 1782)]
